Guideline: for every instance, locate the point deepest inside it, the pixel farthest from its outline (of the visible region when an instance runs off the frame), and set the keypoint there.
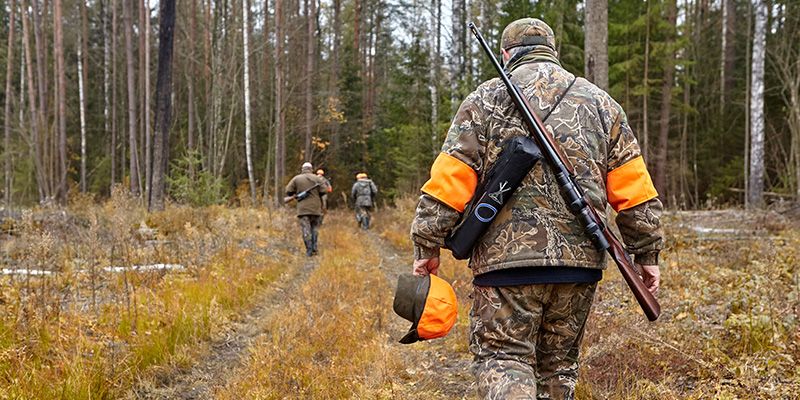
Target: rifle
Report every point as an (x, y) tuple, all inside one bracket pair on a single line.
[(600, 235), (300, 196)]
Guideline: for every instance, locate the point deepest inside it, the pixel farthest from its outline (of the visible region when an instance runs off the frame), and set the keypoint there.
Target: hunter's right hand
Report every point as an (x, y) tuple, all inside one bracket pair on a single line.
[(426, 266), (652, 277)]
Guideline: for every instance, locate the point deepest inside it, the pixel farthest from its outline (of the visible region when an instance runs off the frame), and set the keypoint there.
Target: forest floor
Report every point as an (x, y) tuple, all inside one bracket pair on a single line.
[(222, 306)]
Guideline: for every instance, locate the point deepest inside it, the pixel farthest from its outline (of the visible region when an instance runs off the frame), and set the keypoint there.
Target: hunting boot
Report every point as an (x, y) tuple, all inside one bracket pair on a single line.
[(314, 241)]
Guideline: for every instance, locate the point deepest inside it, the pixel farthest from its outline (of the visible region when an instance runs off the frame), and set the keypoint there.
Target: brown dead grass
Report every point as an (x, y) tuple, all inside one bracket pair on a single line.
[(730, 326), (330, 342), (84, 333)]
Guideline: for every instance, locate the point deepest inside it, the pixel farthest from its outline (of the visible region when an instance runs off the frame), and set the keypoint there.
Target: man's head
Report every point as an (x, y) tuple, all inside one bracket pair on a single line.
[(524, 35), (361, 175), (307, 167), (320, 172)]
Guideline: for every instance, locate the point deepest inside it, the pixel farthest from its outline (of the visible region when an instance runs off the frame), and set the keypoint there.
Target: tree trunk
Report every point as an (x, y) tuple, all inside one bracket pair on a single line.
[(728, 50), (61, 94), (358, 5), (646, 82), (191, 77), (280, 150), (83, 65), (755, 195), (246, 78), (666, 106), (133, 148), (166, 31), (596, 43), (106, 86), (145, 76), (82, 111), (748, 77), (7, 106), (309, 98), (433, 76), (34, 139)]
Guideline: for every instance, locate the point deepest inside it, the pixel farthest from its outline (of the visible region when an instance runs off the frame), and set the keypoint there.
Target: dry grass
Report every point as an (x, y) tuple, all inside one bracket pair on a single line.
[(331, 341), (82, 333), (731, 322), (729, 328)]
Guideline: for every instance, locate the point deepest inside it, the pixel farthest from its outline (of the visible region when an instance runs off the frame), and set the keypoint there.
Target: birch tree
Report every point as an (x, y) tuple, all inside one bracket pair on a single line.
[(756, 186), (246, 78), (83, 48)]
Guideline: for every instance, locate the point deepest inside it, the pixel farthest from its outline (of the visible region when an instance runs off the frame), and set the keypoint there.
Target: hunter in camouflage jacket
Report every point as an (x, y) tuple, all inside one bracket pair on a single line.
[(536, 228)]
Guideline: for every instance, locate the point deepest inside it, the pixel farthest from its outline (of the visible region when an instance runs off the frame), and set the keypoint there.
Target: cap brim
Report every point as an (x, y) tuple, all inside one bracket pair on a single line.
[(411, 336)]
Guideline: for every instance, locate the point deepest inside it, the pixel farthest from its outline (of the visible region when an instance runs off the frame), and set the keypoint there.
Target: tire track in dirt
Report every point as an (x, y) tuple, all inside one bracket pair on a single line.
[(228, 351), (443, 370)]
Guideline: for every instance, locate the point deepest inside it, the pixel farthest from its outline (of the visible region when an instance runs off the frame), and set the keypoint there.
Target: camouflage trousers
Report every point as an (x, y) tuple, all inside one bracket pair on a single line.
[(363, 216), (309, 225), (526, 339)]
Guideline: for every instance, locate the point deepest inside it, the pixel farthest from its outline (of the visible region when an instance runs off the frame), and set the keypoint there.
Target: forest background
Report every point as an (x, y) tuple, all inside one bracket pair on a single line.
[(711, 88)]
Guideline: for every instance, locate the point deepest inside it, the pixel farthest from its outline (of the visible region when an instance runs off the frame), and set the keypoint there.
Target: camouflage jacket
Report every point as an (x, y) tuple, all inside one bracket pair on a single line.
[(536, 228), (363, 192)]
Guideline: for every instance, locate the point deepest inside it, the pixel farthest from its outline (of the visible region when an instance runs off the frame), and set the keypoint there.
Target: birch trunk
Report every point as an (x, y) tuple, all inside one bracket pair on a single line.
[(83, 65), (82, 110), (246, 77), (7, 106), (756, 187)]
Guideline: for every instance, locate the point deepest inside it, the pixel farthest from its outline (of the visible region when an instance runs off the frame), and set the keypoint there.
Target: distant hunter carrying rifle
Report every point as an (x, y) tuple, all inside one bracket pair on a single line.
[(309, 190), (536, 265), (363, 194)]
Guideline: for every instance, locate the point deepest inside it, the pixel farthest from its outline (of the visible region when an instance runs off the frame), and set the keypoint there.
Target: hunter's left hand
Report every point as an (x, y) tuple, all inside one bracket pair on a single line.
[(426, 266), (652, 277)]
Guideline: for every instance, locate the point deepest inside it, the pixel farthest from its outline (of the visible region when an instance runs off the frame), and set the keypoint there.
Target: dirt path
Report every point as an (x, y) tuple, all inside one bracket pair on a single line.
[(432, 367), (229, 350), (441, 367)]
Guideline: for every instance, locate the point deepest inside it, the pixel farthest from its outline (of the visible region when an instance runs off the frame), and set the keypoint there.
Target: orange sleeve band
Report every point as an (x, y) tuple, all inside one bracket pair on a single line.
[(452, 182), (629, 185)]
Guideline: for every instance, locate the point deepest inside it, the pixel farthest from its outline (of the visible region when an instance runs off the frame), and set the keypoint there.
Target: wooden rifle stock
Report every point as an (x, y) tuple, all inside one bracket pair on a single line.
[(601, 236)]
